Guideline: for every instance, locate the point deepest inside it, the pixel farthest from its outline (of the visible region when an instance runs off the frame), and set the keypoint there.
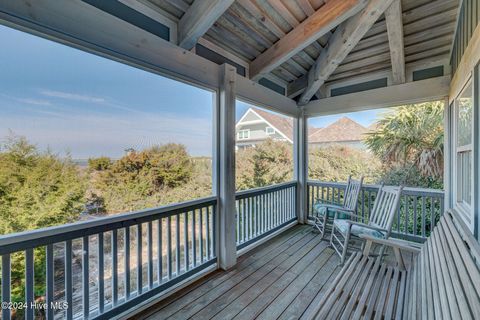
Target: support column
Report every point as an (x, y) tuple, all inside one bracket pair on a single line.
[(301, 165), (227, 249), (447, 154), (476, 152)]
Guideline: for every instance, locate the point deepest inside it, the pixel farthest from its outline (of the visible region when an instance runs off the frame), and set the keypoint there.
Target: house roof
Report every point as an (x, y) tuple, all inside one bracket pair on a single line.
[(344, 129), (313, 130), (373, 127), (282, 124)]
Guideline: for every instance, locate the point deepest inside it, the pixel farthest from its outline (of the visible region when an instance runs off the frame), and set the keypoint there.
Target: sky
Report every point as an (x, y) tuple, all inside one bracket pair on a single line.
[(87, 106), (71, 101)]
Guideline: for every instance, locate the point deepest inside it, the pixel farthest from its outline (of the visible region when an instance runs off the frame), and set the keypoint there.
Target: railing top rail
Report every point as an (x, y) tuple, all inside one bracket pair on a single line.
[(34, 238), (374, 187), (262, 190)]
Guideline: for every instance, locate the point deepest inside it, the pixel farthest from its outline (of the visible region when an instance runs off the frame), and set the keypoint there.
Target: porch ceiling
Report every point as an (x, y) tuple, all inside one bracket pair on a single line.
[(275, 40)]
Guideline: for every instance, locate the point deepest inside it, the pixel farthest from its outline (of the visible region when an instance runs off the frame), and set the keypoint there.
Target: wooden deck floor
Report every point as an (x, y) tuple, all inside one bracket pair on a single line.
[(281, 279)]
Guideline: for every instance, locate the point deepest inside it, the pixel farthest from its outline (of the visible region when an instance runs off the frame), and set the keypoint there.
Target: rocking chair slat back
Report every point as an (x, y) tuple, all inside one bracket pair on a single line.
[(385, 206), (349, 205), (352, 193)]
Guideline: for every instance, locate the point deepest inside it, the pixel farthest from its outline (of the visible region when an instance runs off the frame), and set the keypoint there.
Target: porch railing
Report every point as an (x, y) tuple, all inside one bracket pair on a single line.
[(262, 211), (102, 267), (420, 209)]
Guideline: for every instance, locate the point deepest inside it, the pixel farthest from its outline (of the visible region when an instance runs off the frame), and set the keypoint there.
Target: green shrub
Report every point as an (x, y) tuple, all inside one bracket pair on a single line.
[(268, 163), (99, 164), (337, 162), (143, 179), (36, 190)]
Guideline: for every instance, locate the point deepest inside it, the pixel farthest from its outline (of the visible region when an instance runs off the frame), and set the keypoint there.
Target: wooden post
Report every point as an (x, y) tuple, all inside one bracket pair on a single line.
[(301, 165), (225, 157), (393, 19), (447, 160), (476, 153)]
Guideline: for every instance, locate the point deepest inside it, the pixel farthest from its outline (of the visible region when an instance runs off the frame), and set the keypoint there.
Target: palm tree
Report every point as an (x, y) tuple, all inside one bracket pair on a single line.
[(411, 135)]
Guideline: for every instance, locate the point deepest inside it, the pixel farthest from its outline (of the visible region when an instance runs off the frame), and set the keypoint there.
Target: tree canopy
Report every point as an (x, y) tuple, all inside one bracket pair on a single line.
[(145, 179), (268, 163), (337, 162), (37, 189), (410, 138)]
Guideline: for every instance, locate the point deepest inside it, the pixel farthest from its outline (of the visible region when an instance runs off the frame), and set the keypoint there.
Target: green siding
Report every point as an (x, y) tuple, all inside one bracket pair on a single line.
[(272, 86), (428, 73), (126, 13), (364, 86), (218, 58)]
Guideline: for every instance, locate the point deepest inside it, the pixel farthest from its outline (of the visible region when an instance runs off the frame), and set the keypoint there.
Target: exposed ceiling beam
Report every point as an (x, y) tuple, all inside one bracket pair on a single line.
[(322, 92), (395, 95), (343, 40), (393, 18), (319, 23), (198, 19), (296, 87)]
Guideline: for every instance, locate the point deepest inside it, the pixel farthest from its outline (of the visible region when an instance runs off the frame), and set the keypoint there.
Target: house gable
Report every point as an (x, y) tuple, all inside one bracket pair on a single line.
[(250, 116), (257, 121)]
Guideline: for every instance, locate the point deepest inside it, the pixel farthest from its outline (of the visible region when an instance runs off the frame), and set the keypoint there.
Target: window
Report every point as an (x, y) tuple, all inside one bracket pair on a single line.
[(463, 152), (269, 131), (243, 134)]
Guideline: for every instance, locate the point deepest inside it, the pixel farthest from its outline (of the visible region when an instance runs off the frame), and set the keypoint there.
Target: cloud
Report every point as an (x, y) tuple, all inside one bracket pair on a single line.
[(87, 135), (72, 96), (36, 102), (85, 98)]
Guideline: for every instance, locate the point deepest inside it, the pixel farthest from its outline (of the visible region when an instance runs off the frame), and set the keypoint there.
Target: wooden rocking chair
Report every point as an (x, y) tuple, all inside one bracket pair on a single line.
[(379, 223), (325, 211)]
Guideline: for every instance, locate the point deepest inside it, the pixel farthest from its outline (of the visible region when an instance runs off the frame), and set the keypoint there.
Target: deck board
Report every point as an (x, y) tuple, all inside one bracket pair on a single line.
[(279, 279)]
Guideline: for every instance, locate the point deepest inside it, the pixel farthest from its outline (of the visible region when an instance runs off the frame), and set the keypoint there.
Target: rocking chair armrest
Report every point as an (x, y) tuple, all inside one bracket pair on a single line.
[(352, 215), (394, 243), (364, 225), (327, 202), (338, 208)]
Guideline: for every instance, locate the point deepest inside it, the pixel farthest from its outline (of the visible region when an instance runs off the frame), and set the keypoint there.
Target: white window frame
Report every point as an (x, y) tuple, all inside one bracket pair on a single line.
[(464, 208), (243, 134), (272, 132)]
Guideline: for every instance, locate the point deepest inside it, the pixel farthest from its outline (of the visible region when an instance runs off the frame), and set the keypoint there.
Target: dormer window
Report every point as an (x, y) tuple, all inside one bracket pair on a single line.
[(269, 131), (243, 134)]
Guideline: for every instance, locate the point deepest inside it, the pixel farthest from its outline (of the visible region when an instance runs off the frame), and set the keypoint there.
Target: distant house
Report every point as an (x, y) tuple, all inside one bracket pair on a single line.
[(256, 126), (344, 131)]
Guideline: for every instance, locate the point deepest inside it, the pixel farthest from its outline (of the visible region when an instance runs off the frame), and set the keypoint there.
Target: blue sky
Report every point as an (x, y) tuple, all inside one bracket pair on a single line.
[(71, 101)]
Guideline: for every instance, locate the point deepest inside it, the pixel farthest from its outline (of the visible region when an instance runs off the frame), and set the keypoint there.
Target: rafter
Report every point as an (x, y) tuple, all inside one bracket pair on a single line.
[(343, 40), (322, 21), (393, 18), (198, 19)]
